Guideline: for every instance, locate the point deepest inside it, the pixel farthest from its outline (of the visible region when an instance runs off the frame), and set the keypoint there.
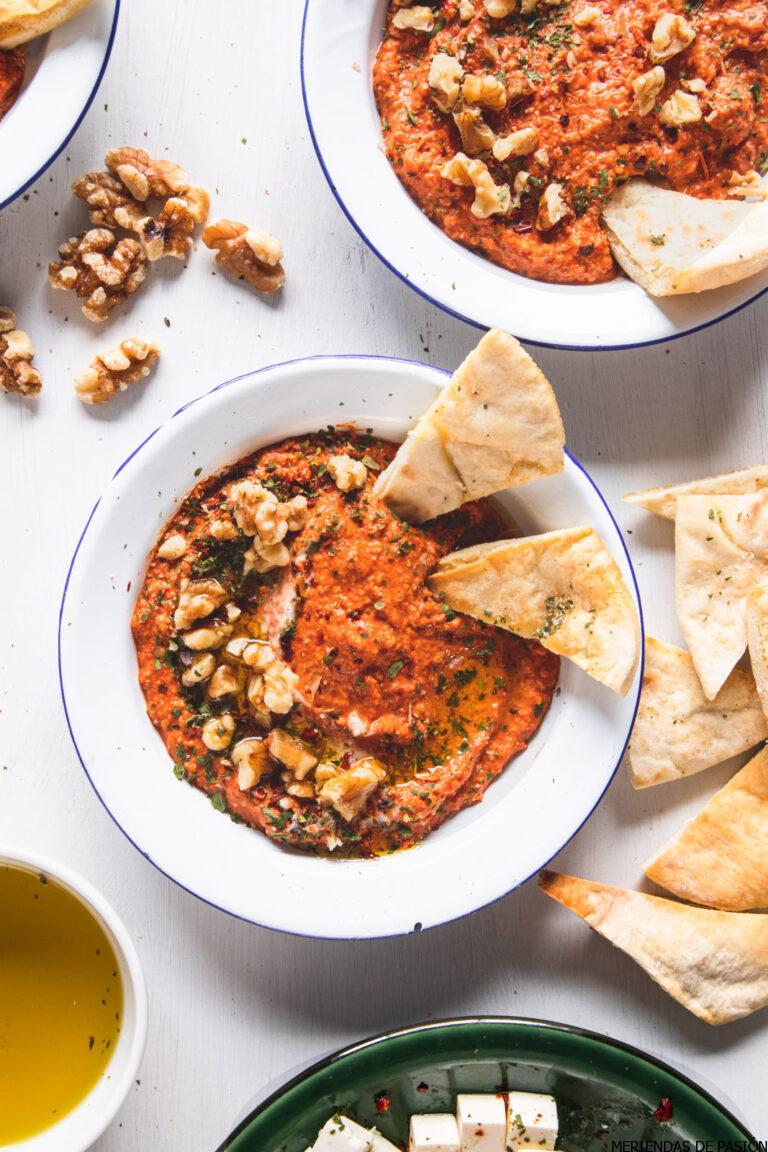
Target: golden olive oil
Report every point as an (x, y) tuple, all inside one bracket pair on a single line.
[(61, 1002)]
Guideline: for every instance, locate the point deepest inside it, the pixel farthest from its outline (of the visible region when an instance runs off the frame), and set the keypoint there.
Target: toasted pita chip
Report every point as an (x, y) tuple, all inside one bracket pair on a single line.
[(714, 963), (757, 640), (720, 858), (495, 425), (663, 501), (23, 20), (563, 588), (721, 553), (677, 730), (670, 243)]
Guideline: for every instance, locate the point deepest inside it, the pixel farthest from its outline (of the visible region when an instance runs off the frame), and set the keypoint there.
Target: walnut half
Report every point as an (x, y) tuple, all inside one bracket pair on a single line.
[(16, 352), (102, 271), (249, 253), (112, 372)]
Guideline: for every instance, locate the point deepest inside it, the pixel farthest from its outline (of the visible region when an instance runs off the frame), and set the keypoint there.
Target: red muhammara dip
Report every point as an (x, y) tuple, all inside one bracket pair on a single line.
[(299, 669), (510, 122)]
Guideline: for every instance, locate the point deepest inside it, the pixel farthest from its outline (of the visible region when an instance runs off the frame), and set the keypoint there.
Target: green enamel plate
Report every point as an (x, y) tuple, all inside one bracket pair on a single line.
[(607, 1093)]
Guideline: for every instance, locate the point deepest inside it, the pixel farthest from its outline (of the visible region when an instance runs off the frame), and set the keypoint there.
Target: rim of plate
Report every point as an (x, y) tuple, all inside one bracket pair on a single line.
[(456, 1022), (92, 1126), (28, 182), (347, 356), (406, 279)]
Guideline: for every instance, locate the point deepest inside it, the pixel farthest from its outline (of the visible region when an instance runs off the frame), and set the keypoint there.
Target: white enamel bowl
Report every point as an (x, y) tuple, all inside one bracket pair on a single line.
[(81, 1127), (527, 816), (64, 70), (339, 44)]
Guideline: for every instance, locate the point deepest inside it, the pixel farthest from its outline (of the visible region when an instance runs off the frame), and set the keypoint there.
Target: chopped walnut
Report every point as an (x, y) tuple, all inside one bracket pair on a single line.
[(101, 270), (208, 637), (217, 733), (265, 557), (173, 547), (110, 204), (222, 528), (519, 86), (347, 472), (349, 791), (197, 599), (498, 9), (490, 198), (16, 353), (585, 16), (541, 156), (485, 90), (552, 208), (476, 135), (696, 84), (680, 109), (224, 682), (291, 752), (257, 655), (445, 76), (466, 10), (112, 372), (248, 253), (748, 185), (671, 34), (646, 88), (145, 177), (200, 669), (520, 143), (279, 683), (251, 759), (169, 233), (420, 18)]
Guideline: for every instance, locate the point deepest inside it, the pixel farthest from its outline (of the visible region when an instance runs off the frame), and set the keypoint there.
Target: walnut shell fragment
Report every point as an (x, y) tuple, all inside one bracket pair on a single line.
[(100, 269), (16, 352), (112, 372), (251, 254)]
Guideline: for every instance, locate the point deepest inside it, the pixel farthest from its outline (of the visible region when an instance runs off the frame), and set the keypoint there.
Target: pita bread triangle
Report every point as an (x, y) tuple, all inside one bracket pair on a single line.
[(713, 963), (677, 730), (757, 640), (562, 588), (495, 424), (670, 243), (720, 858), (663, 501), (721, 553)]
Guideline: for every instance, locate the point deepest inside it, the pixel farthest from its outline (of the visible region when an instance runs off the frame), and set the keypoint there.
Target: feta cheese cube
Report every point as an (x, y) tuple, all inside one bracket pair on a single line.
[(437, 1132), (341, 1134), (532, 1121), (482, 1122)]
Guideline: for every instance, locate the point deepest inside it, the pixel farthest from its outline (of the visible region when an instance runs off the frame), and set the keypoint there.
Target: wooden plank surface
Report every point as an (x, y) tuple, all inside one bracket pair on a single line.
[(233, 1007)]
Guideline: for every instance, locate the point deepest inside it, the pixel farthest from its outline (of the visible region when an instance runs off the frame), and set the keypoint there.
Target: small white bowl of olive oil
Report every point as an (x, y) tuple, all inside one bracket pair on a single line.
[(73, 1007)]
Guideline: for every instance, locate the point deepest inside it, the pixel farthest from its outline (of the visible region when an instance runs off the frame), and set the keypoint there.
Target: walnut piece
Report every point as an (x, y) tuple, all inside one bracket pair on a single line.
[(145, 177), (671, 34), (16, 352), (747, 184), (552, 208), (498, 9), (197, 599), (585, 16), (646, 88), (681, 108), (486, 90), (347, 472), (476, 135), (170, 233), (520, 143), (349, 791), (101, 270), (112, 372), (420, 18), (249, 253), (445, 76), (490, 198), (110, 204)]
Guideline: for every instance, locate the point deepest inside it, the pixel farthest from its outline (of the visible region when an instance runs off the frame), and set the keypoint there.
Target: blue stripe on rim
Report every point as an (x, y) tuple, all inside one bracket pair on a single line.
[(135, 452), (81, 117), (341, 1054), (458, 315)]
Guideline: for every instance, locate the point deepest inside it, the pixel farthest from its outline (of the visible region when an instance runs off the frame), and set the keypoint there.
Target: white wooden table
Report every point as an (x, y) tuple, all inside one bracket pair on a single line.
[(233, 1006)]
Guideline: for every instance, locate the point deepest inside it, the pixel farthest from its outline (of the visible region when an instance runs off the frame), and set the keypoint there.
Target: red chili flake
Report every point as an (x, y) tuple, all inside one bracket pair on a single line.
[(664, 1110), (312, 734), (346, 760), (382, 1102), (422, 1087)]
